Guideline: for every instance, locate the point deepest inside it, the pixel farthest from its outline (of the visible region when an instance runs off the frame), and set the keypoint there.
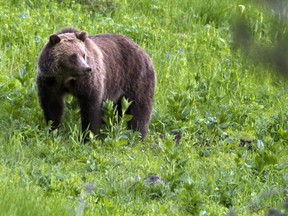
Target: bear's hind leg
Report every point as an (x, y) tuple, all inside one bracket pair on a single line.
[(141, 116)]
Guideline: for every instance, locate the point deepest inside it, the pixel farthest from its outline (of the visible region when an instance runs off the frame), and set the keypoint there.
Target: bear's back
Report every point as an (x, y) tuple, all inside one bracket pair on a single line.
[(113, 41), (122, 49)]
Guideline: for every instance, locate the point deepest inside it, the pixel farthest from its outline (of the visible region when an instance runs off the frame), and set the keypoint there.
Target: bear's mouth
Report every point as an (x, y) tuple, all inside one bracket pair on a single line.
[(78, 75)]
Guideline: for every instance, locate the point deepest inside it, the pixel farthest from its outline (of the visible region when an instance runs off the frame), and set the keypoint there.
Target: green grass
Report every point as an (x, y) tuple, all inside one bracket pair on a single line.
[(230, 110)]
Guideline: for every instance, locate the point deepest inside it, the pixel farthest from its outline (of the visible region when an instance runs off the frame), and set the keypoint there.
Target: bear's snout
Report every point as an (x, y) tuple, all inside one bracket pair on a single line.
[(88, 69), (84, 66)]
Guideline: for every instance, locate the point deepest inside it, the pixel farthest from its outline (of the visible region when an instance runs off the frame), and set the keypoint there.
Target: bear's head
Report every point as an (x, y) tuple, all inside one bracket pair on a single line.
[(69, 54)]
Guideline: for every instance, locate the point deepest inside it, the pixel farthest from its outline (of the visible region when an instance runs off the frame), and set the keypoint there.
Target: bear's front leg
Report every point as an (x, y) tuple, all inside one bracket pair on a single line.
[(51, 100), (90, 109)]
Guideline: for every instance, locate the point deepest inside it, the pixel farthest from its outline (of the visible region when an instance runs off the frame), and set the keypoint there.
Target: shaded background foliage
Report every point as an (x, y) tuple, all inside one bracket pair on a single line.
[(266, 40)]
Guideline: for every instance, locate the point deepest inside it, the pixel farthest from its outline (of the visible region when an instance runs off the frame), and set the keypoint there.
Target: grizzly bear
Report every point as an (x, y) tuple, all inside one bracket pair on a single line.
[(94, 69)]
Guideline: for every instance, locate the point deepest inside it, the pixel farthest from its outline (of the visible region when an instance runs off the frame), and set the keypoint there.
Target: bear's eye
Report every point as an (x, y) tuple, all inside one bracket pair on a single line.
[(73, 57), (84, 56)]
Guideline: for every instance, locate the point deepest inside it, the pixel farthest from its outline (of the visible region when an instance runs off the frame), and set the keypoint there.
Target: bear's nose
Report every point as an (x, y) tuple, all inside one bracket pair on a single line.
[(88, 69)]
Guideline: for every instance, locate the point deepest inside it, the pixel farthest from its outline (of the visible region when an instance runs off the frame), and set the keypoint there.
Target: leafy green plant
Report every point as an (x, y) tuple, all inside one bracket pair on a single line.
[(116, 122)]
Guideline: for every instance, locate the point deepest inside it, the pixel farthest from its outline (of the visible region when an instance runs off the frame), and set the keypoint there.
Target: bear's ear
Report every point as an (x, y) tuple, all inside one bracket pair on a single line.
[(81, 36), (54, 39)]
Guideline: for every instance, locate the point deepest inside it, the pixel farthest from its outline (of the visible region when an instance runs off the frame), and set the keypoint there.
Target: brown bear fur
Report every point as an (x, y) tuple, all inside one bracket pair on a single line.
[(93, 69)]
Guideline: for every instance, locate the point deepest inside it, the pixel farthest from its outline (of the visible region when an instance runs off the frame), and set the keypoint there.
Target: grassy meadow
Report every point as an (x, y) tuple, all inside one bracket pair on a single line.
[(217, 142)]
